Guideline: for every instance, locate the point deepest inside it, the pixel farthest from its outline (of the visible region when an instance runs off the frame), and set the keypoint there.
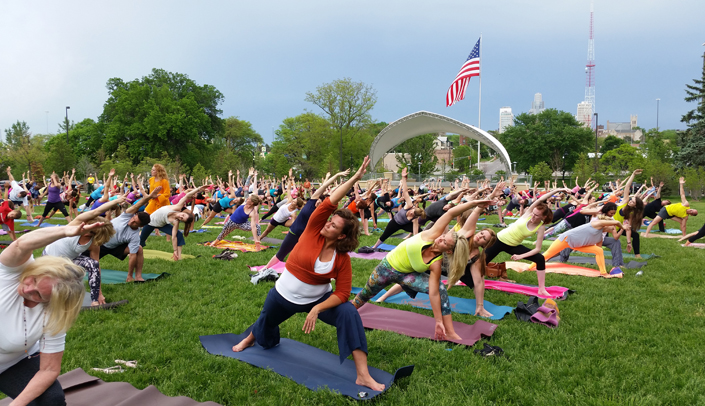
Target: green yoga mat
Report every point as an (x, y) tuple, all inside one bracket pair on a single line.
[(154, 254), (110, 277)]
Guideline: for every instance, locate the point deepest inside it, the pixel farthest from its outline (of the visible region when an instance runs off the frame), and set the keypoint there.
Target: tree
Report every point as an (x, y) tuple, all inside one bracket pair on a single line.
[(24, 151), (692, 141), (551, 136), (418, 150), (541, 172), (162, 112), (60, 156), (622, 159), (463, 151), (657, 147), (240, 138), (611, 142), (347, 107)]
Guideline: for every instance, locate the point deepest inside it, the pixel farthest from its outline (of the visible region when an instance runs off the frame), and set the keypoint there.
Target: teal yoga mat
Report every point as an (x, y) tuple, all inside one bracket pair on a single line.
[(110, 277)]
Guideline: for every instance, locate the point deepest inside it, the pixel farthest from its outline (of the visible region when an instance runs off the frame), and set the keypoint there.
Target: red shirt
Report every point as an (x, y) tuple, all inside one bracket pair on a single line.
[(303, 258), (4, 211)]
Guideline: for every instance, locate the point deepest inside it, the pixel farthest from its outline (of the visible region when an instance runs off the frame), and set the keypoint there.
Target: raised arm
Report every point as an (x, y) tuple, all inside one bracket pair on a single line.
[(186, 198), (337, 195), (144, 200), (628, 183), (681, 182), (440, 226), (90, 215), (327, 182)]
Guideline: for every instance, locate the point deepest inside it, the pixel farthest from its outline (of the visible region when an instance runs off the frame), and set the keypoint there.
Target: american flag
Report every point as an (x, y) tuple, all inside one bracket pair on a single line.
[(470, 68)]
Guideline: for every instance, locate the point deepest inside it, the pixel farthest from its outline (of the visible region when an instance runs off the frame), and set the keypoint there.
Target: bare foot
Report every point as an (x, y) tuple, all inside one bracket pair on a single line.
[(687, 243), (369, 382), (638, 256), (130, 279), (249, 341), (139, 279), (95, 304), (453, 336), (544, 293)]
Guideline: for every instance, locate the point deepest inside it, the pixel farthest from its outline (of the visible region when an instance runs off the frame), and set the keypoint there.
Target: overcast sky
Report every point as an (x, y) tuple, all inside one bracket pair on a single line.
[(264, 57)]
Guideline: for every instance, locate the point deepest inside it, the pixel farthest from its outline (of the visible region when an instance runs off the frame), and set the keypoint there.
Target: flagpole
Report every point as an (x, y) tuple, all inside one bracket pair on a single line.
[(479, 113)]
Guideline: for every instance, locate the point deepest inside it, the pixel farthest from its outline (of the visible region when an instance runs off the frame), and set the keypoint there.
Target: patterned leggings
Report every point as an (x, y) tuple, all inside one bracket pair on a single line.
[(230, 225), (92, 267), (384, 275)]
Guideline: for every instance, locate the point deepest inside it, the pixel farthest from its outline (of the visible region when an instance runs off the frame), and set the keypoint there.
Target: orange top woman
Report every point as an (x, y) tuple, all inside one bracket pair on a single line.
[(159, 178)]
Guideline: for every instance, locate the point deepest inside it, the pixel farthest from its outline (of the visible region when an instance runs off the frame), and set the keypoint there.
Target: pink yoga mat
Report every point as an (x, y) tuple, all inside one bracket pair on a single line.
[(372, 255), (555, 292), (694, 245), (279, 267), (420, 326)]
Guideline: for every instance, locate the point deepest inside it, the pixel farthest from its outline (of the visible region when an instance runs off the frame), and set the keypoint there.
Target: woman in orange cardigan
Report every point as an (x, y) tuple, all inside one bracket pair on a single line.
[(159, 178)]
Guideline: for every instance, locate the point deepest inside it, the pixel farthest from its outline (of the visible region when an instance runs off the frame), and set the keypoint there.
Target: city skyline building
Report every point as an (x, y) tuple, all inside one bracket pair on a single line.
[(506, 118), (537, 106), (590, 72), (584, 113)]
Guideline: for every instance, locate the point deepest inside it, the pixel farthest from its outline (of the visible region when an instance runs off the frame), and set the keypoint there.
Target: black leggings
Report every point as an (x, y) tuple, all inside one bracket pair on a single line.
[(700, 234), (273, 210), (393, 227), (499, 246), (635, 242), (58, 206), (15, 379)]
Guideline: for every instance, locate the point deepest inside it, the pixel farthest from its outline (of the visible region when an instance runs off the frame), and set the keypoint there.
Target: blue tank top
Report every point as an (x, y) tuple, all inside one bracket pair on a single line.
[(239, 216), (225, 202)]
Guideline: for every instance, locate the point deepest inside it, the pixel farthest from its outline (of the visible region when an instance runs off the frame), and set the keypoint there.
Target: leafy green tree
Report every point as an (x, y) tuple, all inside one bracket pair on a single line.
[(418, 150), (463, 151), (240, 138), (658, 148), (60, 156), (541, 172), (611, 142), (199, 173), (346, 105), (162, 112), (692, 141), (622, 159), (552, 136), (23, 150)]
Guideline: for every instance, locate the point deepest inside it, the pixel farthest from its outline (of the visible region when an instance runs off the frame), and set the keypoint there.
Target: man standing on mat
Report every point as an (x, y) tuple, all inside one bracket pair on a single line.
[(126, 240), (678, 212), (304, 286)]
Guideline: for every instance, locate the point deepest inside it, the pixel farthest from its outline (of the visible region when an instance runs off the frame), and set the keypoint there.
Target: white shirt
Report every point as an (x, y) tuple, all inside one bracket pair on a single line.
[(283, 214), (67, 247), (12, 333), (160, 217), (13, 195), (297, 292)]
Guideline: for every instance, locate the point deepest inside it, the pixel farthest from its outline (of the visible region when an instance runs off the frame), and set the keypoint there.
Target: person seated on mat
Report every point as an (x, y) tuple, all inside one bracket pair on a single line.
[(587, 238), (510, 239), (167, 219), (408, 262), (407, 218), (246, 218), (473, 275), (299, 225), (39, 301), (678, 212), (84, 250), (126, 240), (305, 285)]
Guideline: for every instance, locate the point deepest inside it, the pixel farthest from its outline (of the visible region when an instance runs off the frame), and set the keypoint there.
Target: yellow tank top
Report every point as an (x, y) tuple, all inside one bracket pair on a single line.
[(618, 216), (407, 257), (517, 232), (677, 209)]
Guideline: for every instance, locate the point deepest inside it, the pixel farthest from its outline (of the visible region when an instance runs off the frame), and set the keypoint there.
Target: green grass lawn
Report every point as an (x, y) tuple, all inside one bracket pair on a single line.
[(636, 340)]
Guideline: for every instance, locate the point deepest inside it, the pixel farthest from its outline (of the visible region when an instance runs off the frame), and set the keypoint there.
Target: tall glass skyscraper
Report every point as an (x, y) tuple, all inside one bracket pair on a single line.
[(537, 105)]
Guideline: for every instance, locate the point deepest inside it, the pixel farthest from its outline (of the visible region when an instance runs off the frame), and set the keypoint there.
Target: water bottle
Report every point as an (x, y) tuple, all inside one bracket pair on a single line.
[(639, 273)]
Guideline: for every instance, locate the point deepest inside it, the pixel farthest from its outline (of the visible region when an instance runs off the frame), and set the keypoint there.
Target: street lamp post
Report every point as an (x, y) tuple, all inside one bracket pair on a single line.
[(67, 124), (515, 166), (419, 170), (596, 117)]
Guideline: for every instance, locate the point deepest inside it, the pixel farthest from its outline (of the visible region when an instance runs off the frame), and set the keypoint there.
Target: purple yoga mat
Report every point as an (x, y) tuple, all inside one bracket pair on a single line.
[(419, 326), (372, 255)]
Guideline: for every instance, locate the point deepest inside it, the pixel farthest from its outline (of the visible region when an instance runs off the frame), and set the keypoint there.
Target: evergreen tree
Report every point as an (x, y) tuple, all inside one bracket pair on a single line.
[(692, 141)]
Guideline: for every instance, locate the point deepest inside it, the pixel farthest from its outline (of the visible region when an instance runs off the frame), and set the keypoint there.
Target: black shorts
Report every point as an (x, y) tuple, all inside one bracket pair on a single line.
[(663, 213), (118, 252), (276, 223), (216, 207)]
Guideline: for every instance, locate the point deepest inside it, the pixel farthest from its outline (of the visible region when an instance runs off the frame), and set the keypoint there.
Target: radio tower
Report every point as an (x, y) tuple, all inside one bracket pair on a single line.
[(590, 69)]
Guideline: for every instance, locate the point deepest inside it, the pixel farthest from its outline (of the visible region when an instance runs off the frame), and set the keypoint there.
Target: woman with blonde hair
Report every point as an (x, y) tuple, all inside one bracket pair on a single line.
[(84, 250), (39, 301), (408, 262), (159, 178)]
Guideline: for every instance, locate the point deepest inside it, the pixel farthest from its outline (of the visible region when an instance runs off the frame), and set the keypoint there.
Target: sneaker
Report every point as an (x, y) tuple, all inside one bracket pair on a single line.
[(266, 274)]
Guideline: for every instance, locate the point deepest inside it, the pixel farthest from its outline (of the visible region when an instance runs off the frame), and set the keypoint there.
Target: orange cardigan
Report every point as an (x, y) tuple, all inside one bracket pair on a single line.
[(163, 198), (302, 259)]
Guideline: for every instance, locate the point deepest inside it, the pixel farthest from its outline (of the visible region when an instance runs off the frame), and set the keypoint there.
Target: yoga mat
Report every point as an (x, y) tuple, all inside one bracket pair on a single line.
[(199, 230), (86, 305), (268, 240), (591, 260), (110, 277), (694, 245), (379, 220), (652, 235), (154, 254), (419, 326), (544, 243), (279, 267), (668, 230), (386, 247), (608, 254), (372, 255), (555, 292), (82, 389), (238, 246), (457, 304), (218, 227), (557, 267), (35, 223), (309, 366), (3, 232)]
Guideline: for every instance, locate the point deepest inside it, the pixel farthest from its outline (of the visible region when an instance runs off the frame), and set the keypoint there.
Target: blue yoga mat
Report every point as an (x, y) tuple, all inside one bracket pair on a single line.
[(379, 220), (309, 366), (457, 304), (386, 247)]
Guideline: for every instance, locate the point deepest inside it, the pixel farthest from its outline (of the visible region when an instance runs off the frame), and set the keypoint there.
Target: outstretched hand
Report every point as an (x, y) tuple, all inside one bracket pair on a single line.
[(363, 168), (72, 231)]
